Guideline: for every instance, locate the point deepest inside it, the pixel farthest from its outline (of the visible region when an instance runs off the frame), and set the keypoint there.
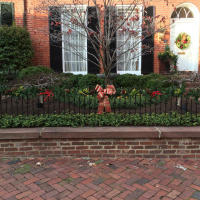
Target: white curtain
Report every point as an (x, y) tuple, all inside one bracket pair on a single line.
[(74, 40), (129, 45)]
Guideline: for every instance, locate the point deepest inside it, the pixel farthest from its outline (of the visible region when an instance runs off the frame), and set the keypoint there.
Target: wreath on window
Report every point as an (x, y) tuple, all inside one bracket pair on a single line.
[(183, 41)]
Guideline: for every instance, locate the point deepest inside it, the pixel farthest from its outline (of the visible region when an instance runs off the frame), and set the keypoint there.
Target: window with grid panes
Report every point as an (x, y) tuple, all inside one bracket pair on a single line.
[(74, 40), (6, 13), (129, 40)]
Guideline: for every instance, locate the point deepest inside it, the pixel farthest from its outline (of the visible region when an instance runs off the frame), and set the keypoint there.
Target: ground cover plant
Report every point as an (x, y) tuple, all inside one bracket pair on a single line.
[(77, 120)]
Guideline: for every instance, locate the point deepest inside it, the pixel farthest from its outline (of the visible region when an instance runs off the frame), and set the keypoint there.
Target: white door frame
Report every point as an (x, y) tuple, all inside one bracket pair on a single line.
[(196, 21)]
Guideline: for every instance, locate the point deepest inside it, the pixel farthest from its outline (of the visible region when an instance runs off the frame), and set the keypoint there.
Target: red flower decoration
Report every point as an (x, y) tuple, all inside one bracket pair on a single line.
[(156, 93), (48, 94)]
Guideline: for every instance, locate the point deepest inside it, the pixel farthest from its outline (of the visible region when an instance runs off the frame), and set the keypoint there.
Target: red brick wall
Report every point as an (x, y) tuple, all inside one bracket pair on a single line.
[(102, 148), (147, 142), (37, 23)]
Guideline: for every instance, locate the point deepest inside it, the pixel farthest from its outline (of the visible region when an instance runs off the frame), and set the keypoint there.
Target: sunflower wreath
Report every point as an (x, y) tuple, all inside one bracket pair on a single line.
[(183, 41)]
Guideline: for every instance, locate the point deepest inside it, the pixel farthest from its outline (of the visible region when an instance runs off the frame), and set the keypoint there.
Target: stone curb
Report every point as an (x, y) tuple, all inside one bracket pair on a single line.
[(19, 133), (100, 132)]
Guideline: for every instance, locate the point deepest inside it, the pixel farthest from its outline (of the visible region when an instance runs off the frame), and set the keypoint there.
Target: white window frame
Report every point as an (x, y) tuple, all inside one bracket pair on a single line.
[(84, 60), (137, 72)]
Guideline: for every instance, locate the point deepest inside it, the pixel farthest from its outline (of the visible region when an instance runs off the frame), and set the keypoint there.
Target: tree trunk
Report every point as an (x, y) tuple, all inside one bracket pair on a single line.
[(107, 76), (106, 79)]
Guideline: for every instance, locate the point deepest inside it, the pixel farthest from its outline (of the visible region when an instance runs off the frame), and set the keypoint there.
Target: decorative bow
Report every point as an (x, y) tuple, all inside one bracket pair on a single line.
[(48, 94), (103, 98), (100, 91), (110, 90)]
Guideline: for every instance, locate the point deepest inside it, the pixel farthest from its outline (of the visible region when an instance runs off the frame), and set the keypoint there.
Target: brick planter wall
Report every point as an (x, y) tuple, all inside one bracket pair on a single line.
[(101, 142)]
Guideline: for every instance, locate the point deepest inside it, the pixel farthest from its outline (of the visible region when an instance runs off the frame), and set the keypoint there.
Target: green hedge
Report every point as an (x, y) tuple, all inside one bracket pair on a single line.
[(95, 120), (151, 81), (81, 81)]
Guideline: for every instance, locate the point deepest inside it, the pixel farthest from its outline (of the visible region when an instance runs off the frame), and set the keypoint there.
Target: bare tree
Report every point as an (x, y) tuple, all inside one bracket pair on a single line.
[(108, 20)]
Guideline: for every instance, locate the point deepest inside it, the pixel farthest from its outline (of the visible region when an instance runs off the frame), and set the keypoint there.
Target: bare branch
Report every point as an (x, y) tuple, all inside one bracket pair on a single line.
[(112, 18)]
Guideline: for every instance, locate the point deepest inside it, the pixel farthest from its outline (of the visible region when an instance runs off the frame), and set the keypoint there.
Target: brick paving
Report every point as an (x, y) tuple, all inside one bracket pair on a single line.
[(93, 179)]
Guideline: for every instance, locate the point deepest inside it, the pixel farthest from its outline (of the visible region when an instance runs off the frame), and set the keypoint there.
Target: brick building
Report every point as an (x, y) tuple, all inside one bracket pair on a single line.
[(186, 19)]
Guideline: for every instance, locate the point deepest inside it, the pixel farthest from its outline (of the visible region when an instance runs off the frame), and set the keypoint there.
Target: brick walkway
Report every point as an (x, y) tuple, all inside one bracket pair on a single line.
[(80, 179)]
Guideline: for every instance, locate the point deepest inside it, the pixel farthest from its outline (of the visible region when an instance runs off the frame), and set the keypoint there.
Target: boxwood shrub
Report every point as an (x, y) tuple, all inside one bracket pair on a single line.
[(33, 71), (16, 50), (151, 81), (81, 81)]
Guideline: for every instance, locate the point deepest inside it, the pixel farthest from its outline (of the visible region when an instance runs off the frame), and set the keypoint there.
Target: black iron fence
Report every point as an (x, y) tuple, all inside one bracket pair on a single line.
[(47, 102)]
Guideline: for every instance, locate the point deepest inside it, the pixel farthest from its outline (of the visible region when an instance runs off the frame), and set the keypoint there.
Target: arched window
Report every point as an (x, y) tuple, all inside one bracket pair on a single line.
[(182, 12)]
